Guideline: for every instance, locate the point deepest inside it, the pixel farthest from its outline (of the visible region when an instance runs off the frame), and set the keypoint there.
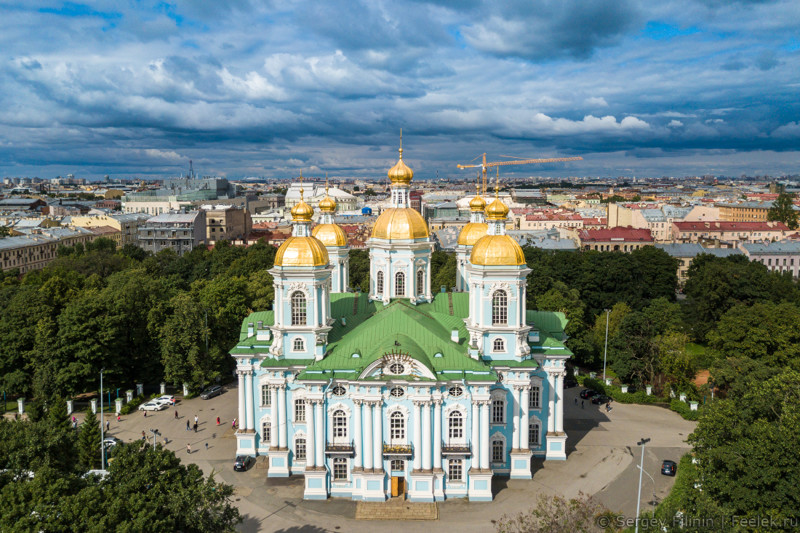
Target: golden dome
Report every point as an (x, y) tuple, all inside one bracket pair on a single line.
[(400, 223), (477, 204), (400, 174), (472, 232), (327, 204), (330, 234), (497, 250), (301, 251), (302, 212), (497, 210)]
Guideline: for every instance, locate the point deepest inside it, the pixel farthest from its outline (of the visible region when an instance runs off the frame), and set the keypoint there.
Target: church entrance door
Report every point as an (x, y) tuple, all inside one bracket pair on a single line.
[(398, 486)]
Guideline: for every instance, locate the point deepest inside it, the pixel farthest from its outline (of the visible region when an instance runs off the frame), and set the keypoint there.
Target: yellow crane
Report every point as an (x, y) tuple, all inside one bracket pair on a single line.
[(484, 165)]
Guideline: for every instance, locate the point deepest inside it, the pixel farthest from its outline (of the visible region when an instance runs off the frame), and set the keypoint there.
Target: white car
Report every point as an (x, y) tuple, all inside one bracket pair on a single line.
[(167, 399), (153, 405), (110, 442)]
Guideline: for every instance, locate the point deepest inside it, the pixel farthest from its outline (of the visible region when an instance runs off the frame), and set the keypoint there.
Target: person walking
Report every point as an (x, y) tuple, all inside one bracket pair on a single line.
[(576, 400), (233, 424), (206, 446), (108, 425), (145, 414), (195, 427), (187, 425), (176, 414), (188, 448), (195, 419), (118, 418), (217, 420), (582, 404), (143, 435)]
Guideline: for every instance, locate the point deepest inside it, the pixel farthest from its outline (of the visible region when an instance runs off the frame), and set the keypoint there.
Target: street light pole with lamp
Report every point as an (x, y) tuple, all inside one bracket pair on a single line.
[(639, 494)]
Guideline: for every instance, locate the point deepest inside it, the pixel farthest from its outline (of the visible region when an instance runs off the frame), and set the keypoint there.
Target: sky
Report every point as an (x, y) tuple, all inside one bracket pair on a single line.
[(261, 88)]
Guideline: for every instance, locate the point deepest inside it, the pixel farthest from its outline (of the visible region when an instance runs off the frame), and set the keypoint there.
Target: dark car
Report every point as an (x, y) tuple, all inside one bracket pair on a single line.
[(243, 463), (210, 392), (668, 468), (587, 393), (600, 399), (569, 383)]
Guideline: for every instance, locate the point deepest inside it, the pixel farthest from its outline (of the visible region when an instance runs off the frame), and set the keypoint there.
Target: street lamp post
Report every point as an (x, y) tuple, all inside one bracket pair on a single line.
[(605, 351), (155, 434), (102, 427), (639, 494), (653, 503)]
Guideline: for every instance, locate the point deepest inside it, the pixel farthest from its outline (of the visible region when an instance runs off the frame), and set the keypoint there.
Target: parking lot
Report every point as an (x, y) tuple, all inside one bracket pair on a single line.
[(602, 460)]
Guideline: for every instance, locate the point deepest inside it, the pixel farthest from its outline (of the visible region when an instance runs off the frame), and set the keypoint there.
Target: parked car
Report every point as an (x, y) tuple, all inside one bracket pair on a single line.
[(210, 392), (600, 399), (669, 468), (110, 442), (153, 405), (167, 398), (243, 463), (587, 393), (569, 383)]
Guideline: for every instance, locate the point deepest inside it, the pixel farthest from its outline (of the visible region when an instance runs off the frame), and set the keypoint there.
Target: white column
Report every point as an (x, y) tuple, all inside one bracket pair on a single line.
[(377, 443), (428, 279), (275, 408), (437, 435), (417, 438), (525, 421), (476, 436), (515, 406), (357, 434), (320, 433), (368, 436), (242, 399), (282, 425), (249, 415), (551, 414), (485, 436), (559, 388), (310, 457), (426, 436)]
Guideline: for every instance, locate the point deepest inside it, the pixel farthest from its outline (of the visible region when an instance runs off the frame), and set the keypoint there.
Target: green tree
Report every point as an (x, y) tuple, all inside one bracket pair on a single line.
[(746, 448), (782, 210), (677, 365), (555, 514), (618, 312), (359, 269), (565, 300), (88, 452), (182, 339), (443, 270)]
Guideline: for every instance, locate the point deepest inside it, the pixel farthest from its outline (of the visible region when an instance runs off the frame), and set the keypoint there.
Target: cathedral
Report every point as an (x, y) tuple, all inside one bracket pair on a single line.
[(400, 391)]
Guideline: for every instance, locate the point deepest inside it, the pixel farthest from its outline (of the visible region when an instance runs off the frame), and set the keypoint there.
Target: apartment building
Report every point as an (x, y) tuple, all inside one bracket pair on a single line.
[(180, 232)]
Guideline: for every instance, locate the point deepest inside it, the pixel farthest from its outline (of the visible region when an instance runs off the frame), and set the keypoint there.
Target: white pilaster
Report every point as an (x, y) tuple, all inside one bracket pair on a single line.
[(368, 436), (426, 436), (476, 435), (378, 438), (282, 425), (320, 433), (310, 453), (484, 435), (524, 426), (551, 399), (249, 415), (242, 400), (437, 435), (515, 402), (273, 434), (559, 392), (357, 459), (417, 437)]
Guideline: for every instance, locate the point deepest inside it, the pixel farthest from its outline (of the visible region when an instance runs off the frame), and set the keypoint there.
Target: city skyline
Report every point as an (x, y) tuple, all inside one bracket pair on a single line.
[(685, 87)]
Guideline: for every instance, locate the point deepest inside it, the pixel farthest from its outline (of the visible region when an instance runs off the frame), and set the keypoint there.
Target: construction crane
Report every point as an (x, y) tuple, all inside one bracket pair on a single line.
[(484, 165)]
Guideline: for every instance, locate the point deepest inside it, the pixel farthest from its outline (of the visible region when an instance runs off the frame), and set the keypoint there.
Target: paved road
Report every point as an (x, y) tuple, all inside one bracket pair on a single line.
[(602, 460)]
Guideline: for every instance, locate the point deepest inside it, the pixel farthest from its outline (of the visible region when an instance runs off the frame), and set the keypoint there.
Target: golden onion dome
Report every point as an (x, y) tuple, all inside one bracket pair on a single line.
[(301, 251), (302, 212), (477, 204), (497, 210), (330, 234), (472, 232), (327, 204), (400, 223), (497, 250), (400, 174)]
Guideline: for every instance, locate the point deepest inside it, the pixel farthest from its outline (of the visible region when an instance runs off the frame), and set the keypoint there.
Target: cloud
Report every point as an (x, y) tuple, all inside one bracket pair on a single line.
[(675, 124)]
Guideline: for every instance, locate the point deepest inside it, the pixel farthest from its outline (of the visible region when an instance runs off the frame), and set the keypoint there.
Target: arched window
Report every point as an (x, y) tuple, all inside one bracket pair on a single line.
[(420, 281), (497, 451), (498, 411), (499, 308), (400, 284), (300, 449), (379, 283), (533, 433), (456, 425), (298, 300), (298, 345), (397, 427), (499, 345), (339, 426)]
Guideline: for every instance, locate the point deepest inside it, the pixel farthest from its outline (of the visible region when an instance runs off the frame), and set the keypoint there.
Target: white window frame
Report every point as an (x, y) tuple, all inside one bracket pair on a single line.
[(379, 283), (299, 410), (266, 430), (400, 284), (498, 345), (499, 308), (297, 440), (455, 465), (459, 428), (298, 344), (494, 447), (299, 308), (339, 427), (340, 465), (397, 428), (266, 396), (534, 422), (535, 397), (397, 462), (420, 281)]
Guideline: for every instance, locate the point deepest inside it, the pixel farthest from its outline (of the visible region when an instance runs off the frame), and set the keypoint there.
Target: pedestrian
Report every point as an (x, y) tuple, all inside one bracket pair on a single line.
[(188, 448), (608, 407), (176, 414), (233, 424), (143, 436), (108, 424), (195, 427), (187, 425), (195, 419), (74, 420), (145, 414), (217, 420), (206, 446), (576, 400), (118, 418), (582, 404)]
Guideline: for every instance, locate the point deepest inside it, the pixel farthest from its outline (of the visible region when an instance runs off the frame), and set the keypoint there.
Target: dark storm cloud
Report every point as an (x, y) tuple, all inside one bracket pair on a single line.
[(253, 88)]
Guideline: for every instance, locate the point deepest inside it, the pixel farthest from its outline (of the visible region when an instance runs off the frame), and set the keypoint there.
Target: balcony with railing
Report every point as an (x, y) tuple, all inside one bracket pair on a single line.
[(397, 450), (456, 449), (339, 448)]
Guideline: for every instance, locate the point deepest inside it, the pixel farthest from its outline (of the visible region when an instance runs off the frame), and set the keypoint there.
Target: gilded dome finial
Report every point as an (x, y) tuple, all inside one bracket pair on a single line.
[(302, 212), (497, 210), (400, 174)]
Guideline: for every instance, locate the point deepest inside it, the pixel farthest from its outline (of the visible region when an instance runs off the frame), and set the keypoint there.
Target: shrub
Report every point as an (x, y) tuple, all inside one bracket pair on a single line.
[(132, 405), (682, 408)]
